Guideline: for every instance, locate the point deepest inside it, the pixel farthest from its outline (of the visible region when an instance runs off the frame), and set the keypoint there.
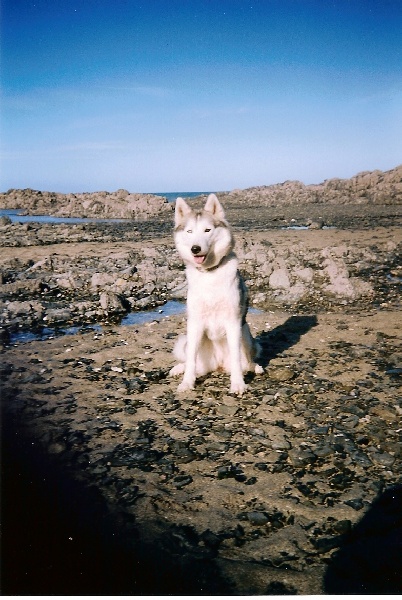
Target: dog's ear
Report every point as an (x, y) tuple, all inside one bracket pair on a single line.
[(181, 211), (213, 206)]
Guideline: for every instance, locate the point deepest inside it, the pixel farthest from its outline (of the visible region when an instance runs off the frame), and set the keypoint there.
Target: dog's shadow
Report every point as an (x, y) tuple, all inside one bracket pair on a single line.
[(283, 337)]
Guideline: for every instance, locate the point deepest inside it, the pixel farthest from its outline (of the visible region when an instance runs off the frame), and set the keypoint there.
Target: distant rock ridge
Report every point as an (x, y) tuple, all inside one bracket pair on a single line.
[(368, 187), (98, 205)]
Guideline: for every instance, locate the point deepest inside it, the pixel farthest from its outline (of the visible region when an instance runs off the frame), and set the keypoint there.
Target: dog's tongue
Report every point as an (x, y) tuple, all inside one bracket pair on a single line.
[(199, 259)]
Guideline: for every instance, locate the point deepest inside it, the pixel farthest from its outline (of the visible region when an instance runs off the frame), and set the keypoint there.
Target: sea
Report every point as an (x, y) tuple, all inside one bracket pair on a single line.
[(172, 196)]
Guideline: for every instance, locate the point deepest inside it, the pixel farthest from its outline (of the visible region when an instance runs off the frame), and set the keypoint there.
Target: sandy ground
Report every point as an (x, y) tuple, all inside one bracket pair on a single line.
[(115, 484)]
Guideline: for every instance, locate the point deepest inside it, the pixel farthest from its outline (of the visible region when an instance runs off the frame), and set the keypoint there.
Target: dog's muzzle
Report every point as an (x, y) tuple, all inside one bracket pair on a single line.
[(198, 258)]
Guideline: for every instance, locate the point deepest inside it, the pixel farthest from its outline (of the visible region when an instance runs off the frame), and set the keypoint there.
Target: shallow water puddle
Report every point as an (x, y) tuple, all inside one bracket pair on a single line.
[(18, 216), (171, 308)]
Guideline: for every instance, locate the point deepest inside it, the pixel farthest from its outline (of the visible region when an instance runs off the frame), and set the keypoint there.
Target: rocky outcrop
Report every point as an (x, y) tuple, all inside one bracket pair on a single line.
[(294, 274), (98, 205), (369, 187), (84, 285)]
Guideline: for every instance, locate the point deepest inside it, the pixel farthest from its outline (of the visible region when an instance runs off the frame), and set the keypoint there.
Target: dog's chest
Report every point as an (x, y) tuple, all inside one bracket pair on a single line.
[(213, 297)]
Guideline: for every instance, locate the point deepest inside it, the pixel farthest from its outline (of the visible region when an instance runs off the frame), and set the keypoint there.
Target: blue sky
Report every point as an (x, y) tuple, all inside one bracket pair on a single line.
[(186, 95)]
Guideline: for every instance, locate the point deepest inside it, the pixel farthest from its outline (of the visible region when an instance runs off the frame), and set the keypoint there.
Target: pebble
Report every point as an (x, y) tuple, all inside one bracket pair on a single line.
[(281, 373), (227, 411), (355, 503), (257, 518), (180, 481), (57, 448), (300, 457), (382, 458)]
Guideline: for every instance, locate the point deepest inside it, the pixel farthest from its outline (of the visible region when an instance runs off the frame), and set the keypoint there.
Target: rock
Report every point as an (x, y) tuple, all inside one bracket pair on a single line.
[(279, 279), (300, 457), (316, 225), (101, 280), (374, 187), (231, 471), (58, 315), (306, 274), (111, 205), (180, 481), (323, 450), (355, 503), (382, 458), (281, 373), (343, 526), (277, 438), (226, 411), (325, 544), (112, 302), (57, 448), (257, 518)]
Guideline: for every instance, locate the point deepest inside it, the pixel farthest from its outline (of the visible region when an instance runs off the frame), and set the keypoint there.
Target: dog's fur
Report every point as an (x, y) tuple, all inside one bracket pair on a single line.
[(218, 336)]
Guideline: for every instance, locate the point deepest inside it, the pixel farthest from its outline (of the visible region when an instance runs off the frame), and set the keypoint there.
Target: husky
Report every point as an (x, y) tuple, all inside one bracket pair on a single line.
[(218, 337)]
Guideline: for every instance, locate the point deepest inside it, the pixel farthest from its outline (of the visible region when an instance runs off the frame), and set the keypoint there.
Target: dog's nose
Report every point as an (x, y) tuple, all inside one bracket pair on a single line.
[(195, 249)]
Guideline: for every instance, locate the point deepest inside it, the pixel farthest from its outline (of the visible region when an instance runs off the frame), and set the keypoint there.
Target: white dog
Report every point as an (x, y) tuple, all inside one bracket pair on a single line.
[(218, 336)]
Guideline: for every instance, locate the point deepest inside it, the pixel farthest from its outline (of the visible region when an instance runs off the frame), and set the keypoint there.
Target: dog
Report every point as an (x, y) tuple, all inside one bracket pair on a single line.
[(218, 337)]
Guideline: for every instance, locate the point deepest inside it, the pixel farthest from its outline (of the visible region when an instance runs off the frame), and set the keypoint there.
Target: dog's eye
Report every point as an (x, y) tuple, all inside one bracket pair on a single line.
[(189, 231), (207, 230)]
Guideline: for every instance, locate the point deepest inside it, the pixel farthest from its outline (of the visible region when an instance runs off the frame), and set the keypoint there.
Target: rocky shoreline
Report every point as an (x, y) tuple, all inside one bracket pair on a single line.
[(369, 187), (366, 188), (94, 272), (114, 483), (97, 205)]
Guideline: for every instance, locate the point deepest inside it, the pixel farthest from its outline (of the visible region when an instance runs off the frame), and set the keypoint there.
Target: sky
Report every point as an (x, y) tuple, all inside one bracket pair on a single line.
[(197, 95)]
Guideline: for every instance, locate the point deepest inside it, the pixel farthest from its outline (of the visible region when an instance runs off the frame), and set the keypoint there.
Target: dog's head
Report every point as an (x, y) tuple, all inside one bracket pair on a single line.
[(203, 237)]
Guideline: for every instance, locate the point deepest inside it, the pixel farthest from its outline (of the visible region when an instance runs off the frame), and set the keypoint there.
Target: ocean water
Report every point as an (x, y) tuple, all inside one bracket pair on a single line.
[(172, 196)]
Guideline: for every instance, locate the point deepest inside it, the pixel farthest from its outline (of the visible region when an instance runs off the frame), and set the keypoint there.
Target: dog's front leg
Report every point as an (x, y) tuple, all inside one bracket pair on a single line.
[(194, 335), (233, 334)]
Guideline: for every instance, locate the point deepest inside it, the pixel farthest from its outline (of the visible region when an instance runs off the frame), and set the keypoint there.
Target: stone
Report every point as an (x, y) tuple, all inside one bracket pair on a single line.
[(382, 458), (300, 457), (281, 373), (277, 438), (257, 518), (279, 279), (112, 302), (101, 280), (226, 411), (306, 274)]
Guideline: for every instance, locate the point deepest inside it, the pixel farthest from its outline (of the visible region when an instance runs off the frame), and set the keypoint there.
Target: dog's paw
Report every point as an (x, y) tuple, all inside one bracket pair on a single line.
[(185, 386), (177, 370), (238, 387), (258, 369)]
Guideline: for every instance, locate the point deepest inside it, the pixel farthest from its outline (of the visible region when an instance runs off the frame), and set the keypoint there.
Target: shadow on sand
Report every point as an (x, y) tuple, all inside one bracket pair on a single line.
[(284, 336), (370, 559)]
